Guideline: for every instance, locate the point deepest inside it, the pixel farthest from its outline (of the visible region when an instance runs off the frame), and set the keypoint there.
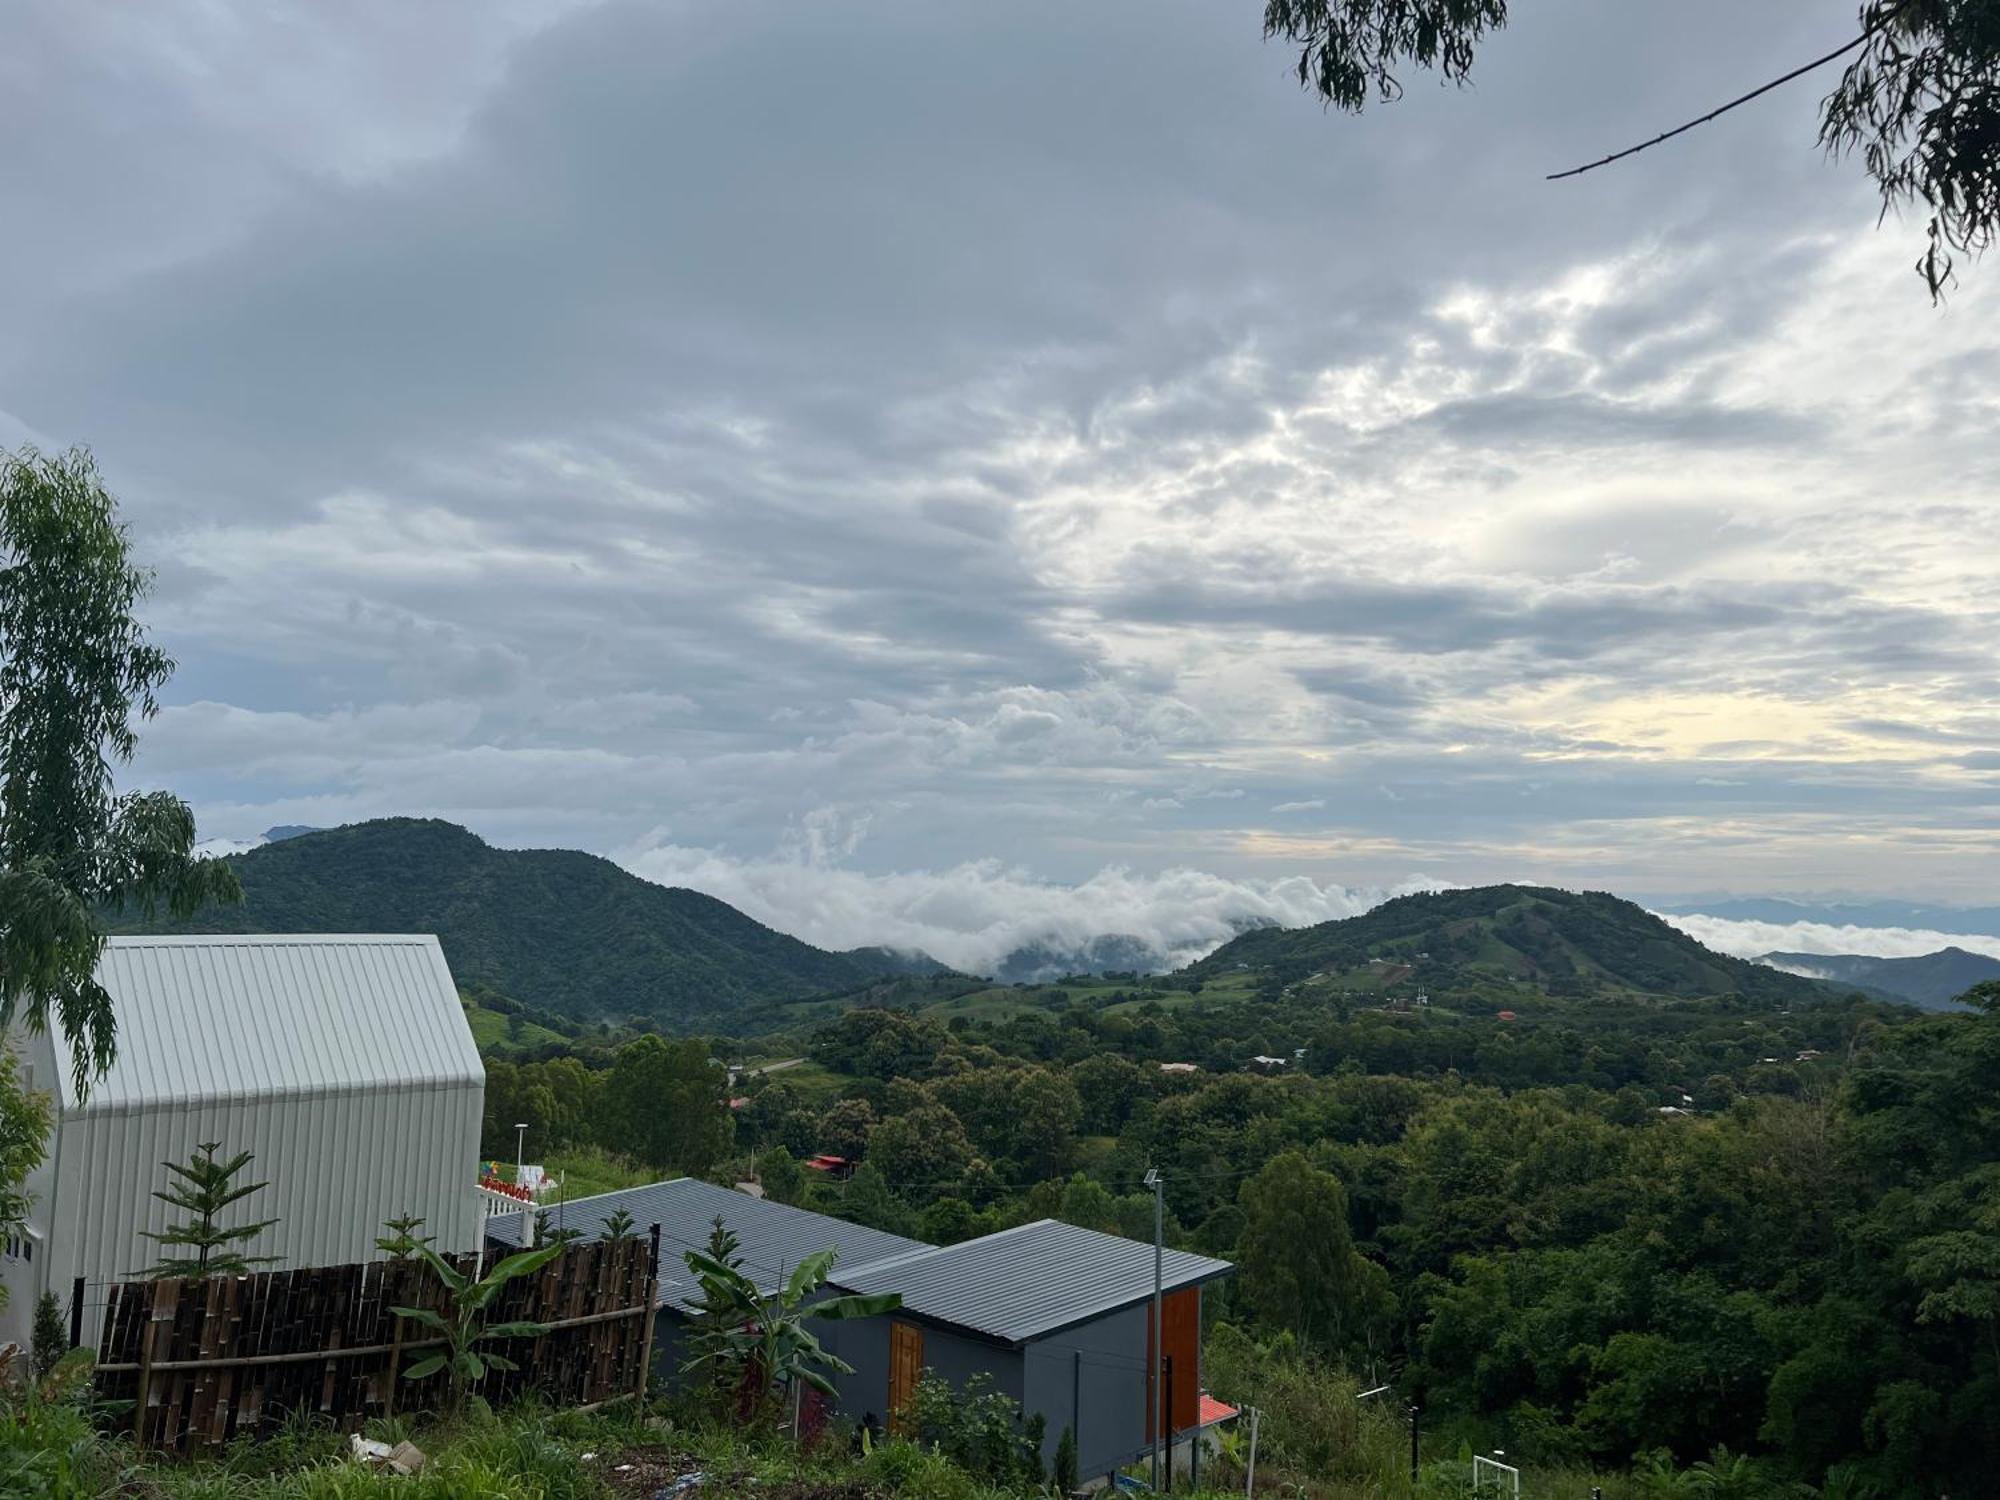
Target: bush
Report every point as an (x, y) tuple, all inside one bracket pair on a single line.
[(51, 1339), (979, 1429)]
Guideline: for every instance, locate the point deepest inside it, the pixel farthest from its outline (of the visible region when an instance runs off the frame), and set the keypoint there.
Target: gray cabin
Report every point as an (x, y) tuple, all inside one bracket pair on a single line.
[(1057, 1317)]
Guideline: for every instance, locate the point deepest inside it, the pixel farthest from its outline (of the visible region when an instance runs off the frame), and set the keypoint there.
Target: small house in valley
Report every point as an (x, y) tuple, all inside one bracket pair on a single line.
[(344, 1064), (1058, 1317)]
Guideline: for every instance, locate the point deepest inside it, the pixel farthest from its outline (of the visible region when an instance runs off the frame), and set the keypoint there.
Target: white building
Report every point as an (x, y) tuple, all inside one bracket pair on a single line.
[(344, 1064)]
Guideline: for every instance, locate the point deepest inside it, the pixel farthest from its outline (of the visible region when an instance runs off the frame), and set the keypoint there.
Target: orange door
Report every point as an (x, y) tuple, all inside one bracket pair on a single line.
[(906, 1365), (1181, 1313)]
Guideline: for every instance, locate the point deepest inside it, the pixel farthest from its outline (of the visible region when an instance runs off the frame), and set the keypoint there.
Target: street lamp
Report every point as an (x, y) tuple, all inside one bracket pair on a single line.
[(520, 1149), (1152, 1180)]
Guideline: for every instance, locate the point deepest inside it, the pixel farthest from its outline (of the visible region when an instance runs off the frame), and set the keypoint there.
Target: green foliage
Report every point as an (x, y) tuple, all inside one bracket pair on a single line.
[(464, 1326), (1063, 1472), (783, 1179), (978, 1428), (402, 1242), (206, 1188), (25, 1117), (50, 1340), (668, 1103), (1296, 1251), (617, 1225), (1918, 103), (756, 1343), (76, 674), (509, 919)]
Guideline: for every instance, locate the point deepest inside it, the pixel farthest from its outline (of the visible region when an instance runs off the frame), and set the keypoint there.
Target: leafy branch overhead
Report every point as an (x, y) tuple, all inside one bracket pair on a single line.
[(76, 672), (1919, 104)]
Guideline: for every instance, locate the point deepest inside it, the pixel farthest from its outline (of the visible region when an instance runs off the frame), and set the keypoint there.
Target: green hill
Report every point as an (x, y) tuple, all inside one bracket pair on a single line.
[(1932, 980), (1562, 941), (554, 929)]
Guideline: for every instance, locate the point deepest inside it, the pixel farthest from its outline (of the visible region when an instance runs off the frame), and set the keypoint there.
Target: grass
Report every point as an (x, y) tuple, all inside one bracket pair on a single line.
[(491, 1035), (589, 1170)]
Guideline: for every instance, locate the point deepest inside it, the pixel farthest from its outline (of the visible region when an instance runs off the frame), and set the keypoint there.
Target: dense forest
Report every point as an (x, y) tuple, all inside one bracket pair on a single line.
[(1592, 1224)]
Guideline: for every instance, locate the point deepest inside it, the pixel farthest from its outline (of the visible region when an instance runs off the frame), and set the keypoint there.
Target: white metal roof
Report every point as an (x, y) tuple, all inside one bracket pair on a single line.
[(223, 1017)]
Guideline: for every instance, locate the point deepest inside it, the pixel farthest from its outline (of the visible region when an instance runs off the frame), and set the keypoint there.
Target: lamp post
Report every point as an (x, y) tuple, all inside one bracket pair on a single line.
[(520, 1149), (1158, 1392)]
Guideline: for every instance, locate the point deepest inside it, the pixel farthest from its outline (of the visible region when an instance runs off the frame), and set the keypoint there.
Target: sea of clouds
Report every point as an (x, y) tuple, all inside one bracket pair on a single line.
[(974, 915), (1754, 939)]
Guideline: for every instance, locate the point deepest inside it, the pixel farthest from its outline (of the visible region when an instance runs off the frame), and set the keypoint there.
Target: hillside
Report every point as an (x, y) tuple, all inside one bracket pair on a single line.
[(555, 929), (1933, 980), (1562, 941)]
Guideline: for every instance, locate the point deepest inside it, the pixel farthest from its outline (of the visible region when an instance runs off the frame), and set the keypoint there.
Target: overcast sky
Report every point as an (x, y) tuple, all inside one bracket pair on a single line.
[(875, 460)]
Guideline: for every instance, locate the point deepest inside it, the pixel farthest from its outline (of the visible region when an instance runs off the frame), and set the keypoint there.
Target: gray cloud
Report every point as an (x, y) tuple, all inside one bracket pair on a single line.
[(1035, 436)]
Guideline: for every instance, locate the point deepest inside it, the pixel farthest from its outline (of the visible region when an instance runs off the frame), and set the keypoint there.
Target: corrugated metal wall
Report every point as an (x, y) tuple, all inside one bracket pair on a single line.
[(337, 1165), (343, 1064)]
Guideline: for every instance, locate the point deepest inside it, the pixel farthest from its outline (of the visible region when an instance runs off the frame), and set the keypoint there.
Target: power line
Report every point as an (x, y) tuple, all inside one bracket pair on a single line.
[(1799, 72)]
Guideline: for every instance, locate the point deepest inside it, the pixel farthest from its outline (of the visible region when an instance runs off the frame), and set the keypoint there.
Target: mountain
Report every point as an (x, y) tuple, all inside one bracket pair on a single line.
[(1933, 981), (555, 929), (1563, 941)]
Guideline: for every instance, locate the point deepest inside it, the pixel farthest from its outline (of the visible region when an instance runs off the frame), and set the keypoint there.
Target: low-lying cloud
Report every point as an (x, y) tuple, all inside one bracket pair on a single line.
[(974, 916), (1754, 939)]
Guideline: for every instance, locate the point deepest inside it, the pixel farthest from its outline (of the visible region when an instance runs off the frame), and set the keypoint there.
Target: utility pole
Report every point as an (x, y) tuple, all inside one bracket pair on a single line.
[(521, 1149), (1413, 1445), (1250, 1472), (1159, 1393)]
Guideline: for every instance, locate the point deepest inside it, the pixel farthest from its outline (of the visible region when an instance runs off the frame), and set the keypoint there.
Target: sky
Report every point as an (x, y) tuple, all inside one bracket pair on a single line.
[(948, 473)]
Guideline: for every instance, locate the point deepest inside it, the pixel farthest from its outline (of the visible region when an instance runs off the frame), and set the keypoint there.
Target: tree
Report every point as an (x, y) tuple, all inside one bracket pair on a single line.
[(24, 1134), (1296, 1252), (783, 1178), (50, 1341), (466, 1327), (921, 1151), (206, 1188), (76, 672), (845, 1127), (401, 1241), (1919, 101), (668, 1104)]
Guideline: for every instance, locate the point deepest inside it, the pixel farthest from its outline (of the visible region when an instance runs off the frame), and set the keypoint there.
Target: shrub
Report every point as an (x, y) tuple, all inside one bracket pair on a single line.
[(979, 1429)]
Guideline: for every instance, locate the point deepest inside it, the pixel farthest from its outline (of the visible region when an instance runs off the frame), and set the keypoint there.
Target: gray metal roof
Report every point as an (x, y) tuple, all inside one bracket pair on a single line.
[(774, 1237), (206, 1018), (1022, 1283)]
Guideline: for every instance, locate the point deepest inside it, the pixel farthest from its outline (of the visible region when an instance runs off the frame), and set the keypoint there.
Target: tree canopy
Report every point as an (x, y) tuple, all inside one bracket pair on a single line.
[(1918, 102), (76, 670)]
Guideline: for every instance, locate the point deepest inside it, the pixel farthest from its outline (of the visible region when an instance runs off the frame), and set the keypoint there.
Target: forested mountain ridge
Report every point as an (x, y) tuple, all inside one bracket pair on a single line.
[(1566, 942), (556, 929), (1931, 980)]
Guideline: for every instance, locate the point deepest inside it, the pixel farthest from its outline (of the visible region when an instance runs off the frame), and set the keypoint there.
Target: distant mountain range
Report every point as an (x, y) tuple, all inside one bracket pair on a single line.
[(1559, 940), (1934, 981), (556, 929)]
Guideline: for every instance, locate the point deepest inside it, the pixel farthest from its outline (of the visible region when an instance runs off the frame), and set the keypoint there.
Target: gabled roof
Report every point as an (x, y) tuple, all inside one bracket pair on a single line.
[(1029, 1281), (774, 1237), (234, 1017)]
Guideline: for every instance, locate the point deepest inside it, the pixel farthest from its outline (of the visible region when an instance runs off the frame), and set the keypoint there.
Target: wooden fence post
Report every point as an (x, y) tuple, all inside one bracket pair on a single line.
[(650, 1314), (395, 1369), (168, 1291)]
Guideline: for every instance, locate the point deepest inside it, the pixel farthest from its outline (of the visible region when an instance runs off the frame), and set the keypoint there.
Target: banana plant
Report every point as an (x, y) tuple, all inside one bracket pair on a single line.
[(464, 1325), (757, 1341)]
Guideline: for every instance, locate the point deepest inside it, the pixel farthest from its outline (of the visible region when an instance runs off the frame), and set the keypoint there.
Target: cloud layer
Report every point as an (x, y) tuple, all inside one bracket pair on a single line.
[(1037, 437)]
